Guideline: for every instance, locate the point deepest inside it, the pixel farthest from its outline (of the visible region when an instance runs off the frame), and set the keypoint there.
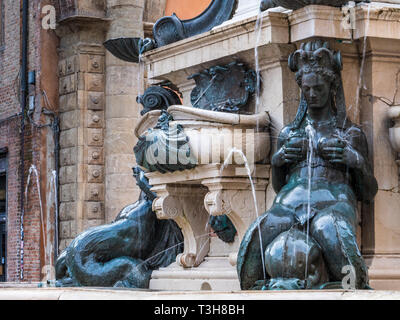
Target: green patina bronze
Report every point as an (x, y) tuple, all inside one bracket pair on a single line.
[(164, 148), (225, 88), (123, 253), (320, 171), (223, 227)]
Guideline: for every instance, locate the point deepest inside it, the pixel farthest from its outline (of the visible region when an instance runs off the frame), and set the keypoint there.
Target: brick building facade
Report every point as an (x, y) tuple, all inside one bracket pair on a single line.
[(23, 254)]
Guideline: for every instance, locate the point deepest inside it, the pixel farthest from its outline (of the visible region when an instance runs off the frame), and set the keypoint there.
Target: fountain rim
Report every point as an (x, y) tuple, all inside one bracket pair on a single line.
[(182, 114)]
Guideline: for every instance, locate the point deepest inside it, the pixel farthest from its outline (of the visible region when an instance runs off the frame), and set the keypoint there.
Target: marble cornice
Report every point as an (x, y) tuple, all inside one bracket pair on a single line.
[(270, 20), (377, 21)]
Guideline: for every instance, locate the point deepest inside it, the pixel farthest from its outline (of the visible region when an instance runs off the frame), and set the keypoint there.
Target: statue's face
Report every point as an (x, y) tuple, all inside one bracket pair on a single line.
[(316, 90)]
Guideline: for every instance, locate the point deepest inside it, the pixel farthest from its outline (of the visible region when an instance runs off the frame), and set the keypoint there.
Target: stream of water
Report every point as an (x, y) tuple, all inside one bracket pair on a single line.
[(33, 170), (253, 190), (362, 67), (258, 32), (310, 156)]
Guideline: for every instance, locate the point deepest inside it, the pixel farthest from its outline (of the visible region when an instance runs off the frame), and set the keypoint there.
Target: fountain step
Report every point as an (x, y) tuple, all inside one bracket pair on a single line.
[(112, 294), (215, 273), (4, 285)]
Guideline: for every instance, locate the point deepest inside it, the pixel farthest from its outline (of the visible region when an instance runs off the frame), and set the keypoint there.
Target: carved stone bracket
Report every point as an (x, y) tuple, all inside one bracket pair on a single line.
[(184, 205), (189, 197), (233, 196)]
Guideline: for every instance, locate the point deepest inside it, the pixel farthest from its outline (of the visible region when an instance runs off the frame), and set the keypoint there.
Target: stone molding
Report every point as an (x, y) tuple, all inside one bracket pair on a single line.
[(317, 21), (379, 21), (82, 8), (216, 44)]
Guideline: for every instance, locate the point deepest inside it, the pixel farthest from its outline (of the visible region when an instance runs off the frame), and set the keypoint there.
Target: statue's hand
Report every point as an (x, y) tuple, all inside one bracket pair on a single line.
[(294, 151), (336, 150)]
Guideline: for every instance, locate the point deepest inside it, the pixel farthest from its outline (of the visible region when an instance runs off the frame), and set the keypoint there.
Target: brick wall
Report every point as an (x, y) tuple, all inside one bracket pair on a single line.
[(10, 124), (9, 60)]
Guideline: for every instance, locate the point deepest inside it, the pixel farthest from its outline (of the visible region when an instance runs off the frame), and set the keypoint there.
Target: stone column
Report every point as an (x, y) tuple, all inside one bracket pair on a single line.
[(381, 221), (124, 81), (381, 90), (81, 90)]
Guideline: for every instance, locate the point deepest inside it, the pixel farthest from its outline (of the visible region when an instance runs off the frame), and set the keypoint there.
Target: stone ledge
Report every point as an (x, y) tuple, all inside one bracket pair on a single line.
[(378, 20), (317, 21), (124, 294), (205, 49), (206, 172)]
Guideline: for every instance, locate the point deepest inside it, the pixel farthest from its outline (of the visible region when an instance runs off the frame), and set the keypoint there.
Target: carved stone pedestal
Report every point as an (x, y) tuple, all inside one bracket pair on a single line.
[(189, 198)]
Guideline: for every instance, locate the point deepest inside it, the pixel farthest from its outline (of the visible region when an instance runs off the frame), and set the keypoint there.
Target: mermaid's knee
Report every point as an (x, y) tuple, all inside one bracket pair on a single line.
[(275, 221), (337, 239)]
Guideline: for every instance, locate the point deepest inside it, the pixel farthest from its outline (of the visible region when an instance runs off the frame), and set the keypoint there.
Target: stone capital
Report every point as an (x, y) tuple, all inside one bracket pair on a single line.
[(234, 197)]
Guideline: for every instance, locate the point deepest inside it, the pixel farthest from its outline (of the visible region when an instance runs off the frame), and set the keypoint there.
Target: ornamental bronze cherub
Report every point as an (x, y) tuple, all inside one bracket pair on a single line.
[(320, 171)]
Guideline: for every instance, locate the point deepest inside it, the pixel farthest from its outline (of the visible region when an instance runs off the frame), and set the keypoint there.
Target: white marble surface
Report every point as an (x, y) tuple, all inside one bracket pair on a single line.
[(110, 294)]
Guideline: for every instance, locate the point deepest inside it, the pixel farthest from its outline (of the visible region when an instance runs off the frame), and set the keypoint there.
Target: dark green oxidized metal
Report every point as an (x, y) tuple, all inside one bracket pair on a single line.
[(164, 148), (319, 172), (129, 49), (223, 88), (125, 252), (297, 4), (291, 256), (158, 98), (223, 227), (170, 29)]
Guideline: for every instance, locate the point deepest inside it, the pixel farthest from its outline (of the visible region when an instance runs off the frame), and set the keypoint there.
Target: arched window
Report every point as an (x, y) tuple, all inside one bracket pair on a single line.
[(186, 9)]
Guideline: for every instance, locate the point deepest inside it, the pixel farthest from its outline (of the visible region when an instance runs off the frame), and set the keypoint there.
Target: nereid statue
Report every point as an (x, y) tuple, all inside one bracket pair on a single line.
[(320, 170), (125, 252)]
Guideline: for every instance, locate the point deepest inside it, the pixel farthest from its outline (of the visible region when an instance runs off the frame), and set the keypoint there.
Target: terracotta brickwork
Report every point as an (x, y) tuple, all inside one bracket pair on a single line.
[(35, 141)]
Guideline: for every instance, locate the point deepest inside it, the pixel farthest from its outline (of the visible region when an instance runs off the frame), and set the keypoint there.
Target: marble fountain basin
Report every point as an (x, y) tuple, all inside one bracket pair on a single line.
[(212, 134)]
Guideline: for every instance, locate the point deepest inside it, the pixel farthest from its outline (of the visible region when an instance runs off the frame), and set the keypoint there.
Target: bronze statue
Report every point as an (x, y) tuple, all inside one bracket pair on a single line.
[(123, 253), (320, 170)]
